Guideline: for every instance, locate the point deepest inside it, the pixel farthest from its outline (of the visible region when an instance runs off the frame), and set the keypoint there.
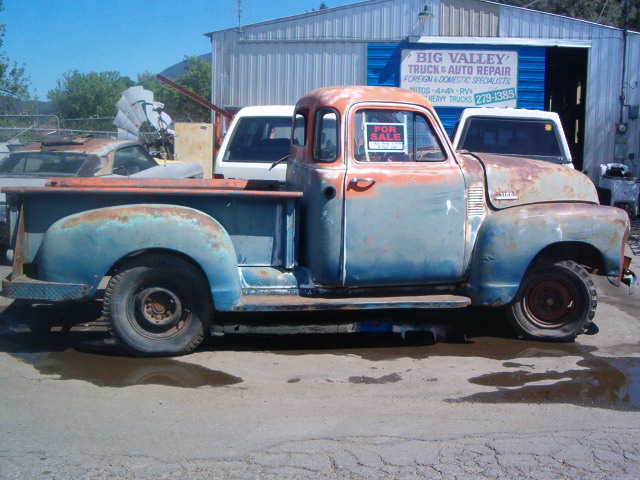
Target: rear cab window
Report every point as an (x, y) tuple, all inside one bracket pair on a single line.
[(260, 139), (326, 138), (299, 136), (42, 163)]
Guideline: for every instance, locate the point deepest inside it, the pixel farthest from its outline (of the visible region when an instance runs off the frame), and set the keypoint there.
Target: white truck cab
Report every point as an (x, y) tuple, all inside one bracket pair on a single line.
[(257, 137), (516, 132)]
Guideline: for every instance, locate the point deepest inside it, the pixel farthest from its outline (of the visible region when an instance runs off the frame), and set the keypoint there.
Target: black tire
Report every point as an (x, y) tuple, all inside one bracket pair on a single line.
[(556, 301), (158, 305)]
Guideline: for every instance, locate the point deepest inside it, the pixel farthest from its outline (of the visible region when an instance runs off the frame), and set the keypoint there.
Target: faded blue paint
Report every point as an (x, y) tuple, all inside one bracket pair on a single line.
[(510, 239), (82, 248), (320, 220), (408, 228), (253, 222), (269, 278)]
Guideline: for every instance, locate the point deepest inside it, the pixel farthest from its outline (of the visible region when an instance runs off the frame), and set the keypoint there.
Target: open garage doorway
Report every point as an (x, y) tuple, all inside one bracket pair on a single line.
[(565, 94)]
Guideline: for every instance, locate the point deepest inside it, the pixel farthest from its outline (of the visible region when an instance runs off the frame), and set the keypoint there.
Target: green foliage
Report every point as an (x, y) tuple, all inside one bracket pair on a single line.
[(197, 79), (608, 12), (149, 81), (83, 95), (14, 83)]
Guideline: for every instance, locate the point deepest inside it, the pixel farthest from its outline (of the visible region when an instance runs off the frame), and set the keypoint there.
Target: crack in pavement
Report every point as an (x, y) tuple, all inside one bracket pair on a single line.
[(613, 454)]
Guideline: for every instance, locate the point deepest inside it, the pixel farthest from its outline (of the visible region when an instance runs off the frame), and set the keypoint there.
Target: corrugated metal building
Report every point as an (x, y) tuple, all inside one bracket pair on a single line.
[(548, 62)]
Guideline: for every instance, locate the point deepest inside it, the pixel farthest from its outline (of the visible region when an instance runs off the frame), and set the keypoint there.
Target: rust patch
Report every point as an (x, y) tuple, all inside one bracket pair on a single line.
[(123, 215), (154, 186), (95, 146), (341, 98)]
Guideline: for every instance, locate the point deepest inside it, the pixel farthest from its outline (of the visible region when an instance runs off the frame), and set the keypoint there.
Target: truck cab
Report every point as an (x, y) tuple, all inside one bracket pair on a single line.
[(383, 187)]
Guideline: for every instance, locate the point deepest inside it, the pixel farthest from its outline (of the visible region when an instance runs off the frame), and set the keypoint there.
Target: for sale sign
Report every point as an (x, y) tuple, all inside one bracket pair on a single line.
[(462, 78), (386, 137)]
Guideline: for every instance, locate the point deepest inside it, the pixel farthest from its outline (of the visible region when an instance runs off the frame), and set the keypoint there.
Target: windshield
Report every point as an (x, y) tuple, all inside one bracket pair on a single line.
[(260, 139), (512, 136), (42, 163)]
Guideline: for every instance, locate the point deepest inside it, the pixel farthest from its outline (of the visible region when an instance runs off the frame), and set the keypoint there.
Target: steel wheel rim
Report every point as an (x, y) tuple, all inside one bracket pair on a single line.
[(158, 312), (549, 303)]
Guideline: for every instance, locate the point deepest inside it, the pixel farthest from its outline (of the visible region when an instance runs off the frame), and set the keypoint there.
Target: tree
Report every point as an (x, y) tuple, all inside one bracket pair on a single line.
[(83, 95), (608, 12), (149, 81), (14, 83), (181, 108)]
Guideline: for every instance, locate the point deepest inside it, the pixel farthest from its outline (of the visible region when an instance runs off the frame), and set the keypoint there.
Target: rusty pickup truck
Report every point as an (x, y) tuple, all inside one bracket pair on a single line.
[(378, 212)]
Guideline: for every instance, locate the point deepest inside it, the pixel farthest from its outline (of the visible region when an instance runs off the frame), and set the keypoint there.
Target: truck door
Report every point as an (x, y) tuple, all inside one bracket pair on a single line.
[(404, 204)]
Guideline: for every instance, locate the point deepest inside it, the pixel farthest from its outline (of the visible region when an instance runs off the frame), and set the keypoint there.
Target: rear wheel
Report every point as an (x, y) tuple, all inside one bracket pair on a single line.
[(158, 305), (556, 301)]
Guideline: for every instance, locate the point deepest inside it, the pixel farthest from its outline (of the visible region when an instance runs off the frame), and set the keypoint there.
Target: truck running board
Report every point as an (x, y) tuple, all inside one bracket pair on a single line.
[(297, 303)]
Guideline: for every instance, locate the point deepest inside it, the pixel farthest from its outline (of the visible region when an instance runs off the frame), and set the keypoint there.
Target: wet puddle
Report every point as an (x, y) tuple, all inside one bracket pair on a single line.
[(604, 379), (92, 357), (610, 382), (595, 381), (118, 372), (601, 384)]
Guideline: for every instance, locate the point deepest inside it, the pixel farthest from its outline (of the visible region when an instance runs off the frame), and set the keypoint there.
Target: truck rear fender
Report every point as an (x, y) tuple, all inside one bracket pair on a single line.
[(510, 240), (84, 247)]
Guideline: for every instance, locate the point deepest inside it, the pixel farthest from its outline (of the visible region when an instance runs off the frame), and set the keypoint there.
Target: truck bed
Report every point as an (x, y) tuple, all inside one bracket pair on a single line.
[(257, 215)]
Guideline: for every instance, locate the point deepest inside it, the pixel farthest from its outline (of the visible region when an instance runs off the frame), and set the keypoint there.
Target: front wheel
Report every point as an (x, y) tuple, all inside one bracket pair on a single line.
[(158, 305), (555, 301)]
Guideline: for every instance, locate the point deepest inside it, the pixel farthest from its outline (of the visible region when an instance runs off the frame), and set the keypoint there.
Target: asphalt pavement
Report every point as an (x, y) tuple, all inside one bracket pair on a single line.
[(465, 400)]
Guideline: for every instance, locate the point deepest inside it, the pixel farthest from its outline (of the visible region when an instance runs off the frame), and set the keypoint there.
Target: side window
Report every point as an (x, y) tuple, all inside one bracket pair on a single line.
[(43, 163), (382, 135), (299, 130), (325, 136), (130, 160), (428, 148)]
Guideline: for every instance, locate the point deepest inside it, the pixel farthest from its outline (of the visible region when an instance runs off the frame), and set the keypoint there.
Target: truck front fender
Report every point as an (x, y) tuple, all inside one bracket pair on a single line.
[(83, 247), (509, 240)]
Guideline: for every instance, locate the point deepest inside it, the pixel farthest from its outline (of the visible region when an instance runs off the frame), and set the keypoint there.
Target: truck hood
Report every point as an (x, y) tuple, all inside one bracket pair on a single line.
[(515, 181)]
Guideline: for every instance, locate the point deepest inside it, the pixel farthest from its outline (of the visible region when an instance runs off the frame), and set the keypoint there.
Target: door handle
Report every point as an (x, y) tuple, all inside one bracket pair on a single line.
[(358, 180)]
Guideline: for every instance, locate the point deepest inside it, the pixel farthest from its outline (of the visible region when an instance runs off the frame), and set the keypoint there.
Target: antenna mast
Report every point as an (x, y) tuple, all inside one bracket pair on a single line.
[(239, 13)]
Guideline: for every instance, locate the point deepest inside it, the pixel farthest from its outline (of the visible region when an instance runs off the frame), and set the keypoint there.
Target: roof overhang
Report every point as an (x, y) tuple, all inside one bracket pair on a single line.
[(529, 42)]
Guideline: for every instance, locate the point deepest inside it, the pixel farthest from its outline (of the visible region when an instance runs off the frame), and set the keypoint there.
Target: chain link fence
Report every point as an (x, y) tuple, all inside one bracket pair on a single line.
[(19, 130), (100, 127)]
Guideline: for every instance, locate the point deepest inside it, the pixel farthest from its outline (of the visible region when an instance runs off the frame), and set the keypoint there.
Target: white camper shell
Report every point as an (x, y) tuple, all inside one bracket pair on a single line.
[(257, 137), (515, 132)]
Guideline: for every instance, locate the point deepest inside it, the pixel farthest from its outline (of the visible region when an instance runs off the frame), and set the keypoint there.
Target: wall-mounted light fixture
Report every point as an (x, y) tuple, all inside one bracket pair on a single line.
[(426, 13)]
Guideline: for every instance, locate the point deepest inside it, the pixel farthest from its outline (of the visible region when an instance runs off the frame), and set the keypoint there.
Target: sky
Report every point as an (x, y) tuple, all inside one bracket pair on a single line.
[(53, 37)]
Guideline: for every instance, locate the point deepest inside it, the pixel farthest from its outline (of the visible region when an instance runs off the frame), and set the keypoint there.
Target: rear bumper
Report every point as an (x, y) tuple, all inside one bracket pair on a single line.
[(627, 277), (24, 288)]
